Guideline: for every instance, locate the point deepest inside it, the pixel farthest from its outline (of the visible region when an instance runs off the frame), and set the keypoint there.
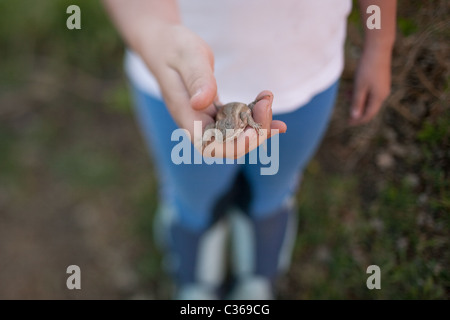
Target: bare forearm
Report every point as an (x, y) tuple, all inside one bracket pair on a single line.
[(140, 20), (384, 37)]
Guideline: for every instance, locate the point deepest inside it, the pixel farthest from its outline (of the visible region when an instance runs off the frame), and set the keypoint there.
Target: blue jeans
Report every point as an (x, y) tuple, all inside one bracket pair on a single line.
[(200, 193)]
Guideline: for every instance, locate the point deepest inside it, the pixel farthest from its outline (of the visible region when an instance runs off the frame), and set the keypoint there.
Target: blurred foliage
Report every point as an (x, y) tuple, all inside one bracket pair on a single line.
[(407, 26)]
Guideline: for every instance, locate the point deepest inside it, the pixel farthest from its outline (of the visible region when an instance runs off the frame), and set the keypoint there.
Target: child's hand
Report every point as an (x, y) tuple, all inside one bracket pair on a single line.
[(372, 85), (183, 65), (373, 77)]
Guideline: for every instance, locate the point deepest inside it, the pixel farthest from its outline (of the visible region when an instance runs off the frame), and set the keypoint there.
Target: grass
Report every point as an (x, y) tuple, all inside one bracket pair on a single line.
[(338, 240)]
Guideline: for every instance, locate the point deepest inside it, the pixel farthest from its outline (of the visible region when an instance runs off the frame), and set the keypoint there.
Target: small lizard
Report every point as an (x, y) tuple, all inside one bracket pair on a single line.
[(231, 120)]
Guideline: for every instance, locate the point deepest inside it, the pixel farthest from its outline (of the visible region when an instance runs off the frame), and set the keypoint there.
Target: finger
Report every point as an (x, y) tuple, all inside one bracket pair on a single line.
[(266, 94), (358, 102), (277, 125), (244, 143), (177, 101), (253, 139), (273, 124), (373, 107), (174, 93), (196, 71), (262, 114), (262, 111)]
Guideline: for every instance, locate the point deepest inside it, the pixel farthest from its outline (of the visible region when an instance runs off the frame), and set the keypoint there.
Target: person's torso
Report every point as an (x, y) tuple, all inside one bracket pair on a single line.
[(293, 48)]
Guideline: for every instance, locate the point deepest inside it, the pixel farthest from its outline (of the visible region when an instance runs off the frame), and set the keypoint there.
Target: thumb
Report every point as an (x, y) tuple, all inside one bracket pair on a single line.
[(197, 74)]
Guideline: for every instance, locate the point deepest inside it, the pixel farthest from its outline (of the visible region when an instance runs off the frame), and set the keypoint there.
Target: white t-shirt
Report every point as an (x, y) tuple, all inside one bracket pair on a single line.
[(294, 48)]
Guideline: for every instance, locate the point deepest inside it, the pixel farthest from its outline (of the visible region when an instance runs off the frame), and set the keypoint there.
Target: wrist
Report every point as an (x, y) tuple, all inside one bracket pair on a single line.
[(139, 20), (150, 34), (379, 49), (379, 44)]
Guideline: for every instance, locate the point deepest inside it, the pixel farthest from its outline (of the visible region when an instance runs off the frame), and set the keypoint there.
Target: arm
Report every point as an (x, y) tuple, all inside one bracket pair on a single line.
[(182, 63), (373, 76)]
